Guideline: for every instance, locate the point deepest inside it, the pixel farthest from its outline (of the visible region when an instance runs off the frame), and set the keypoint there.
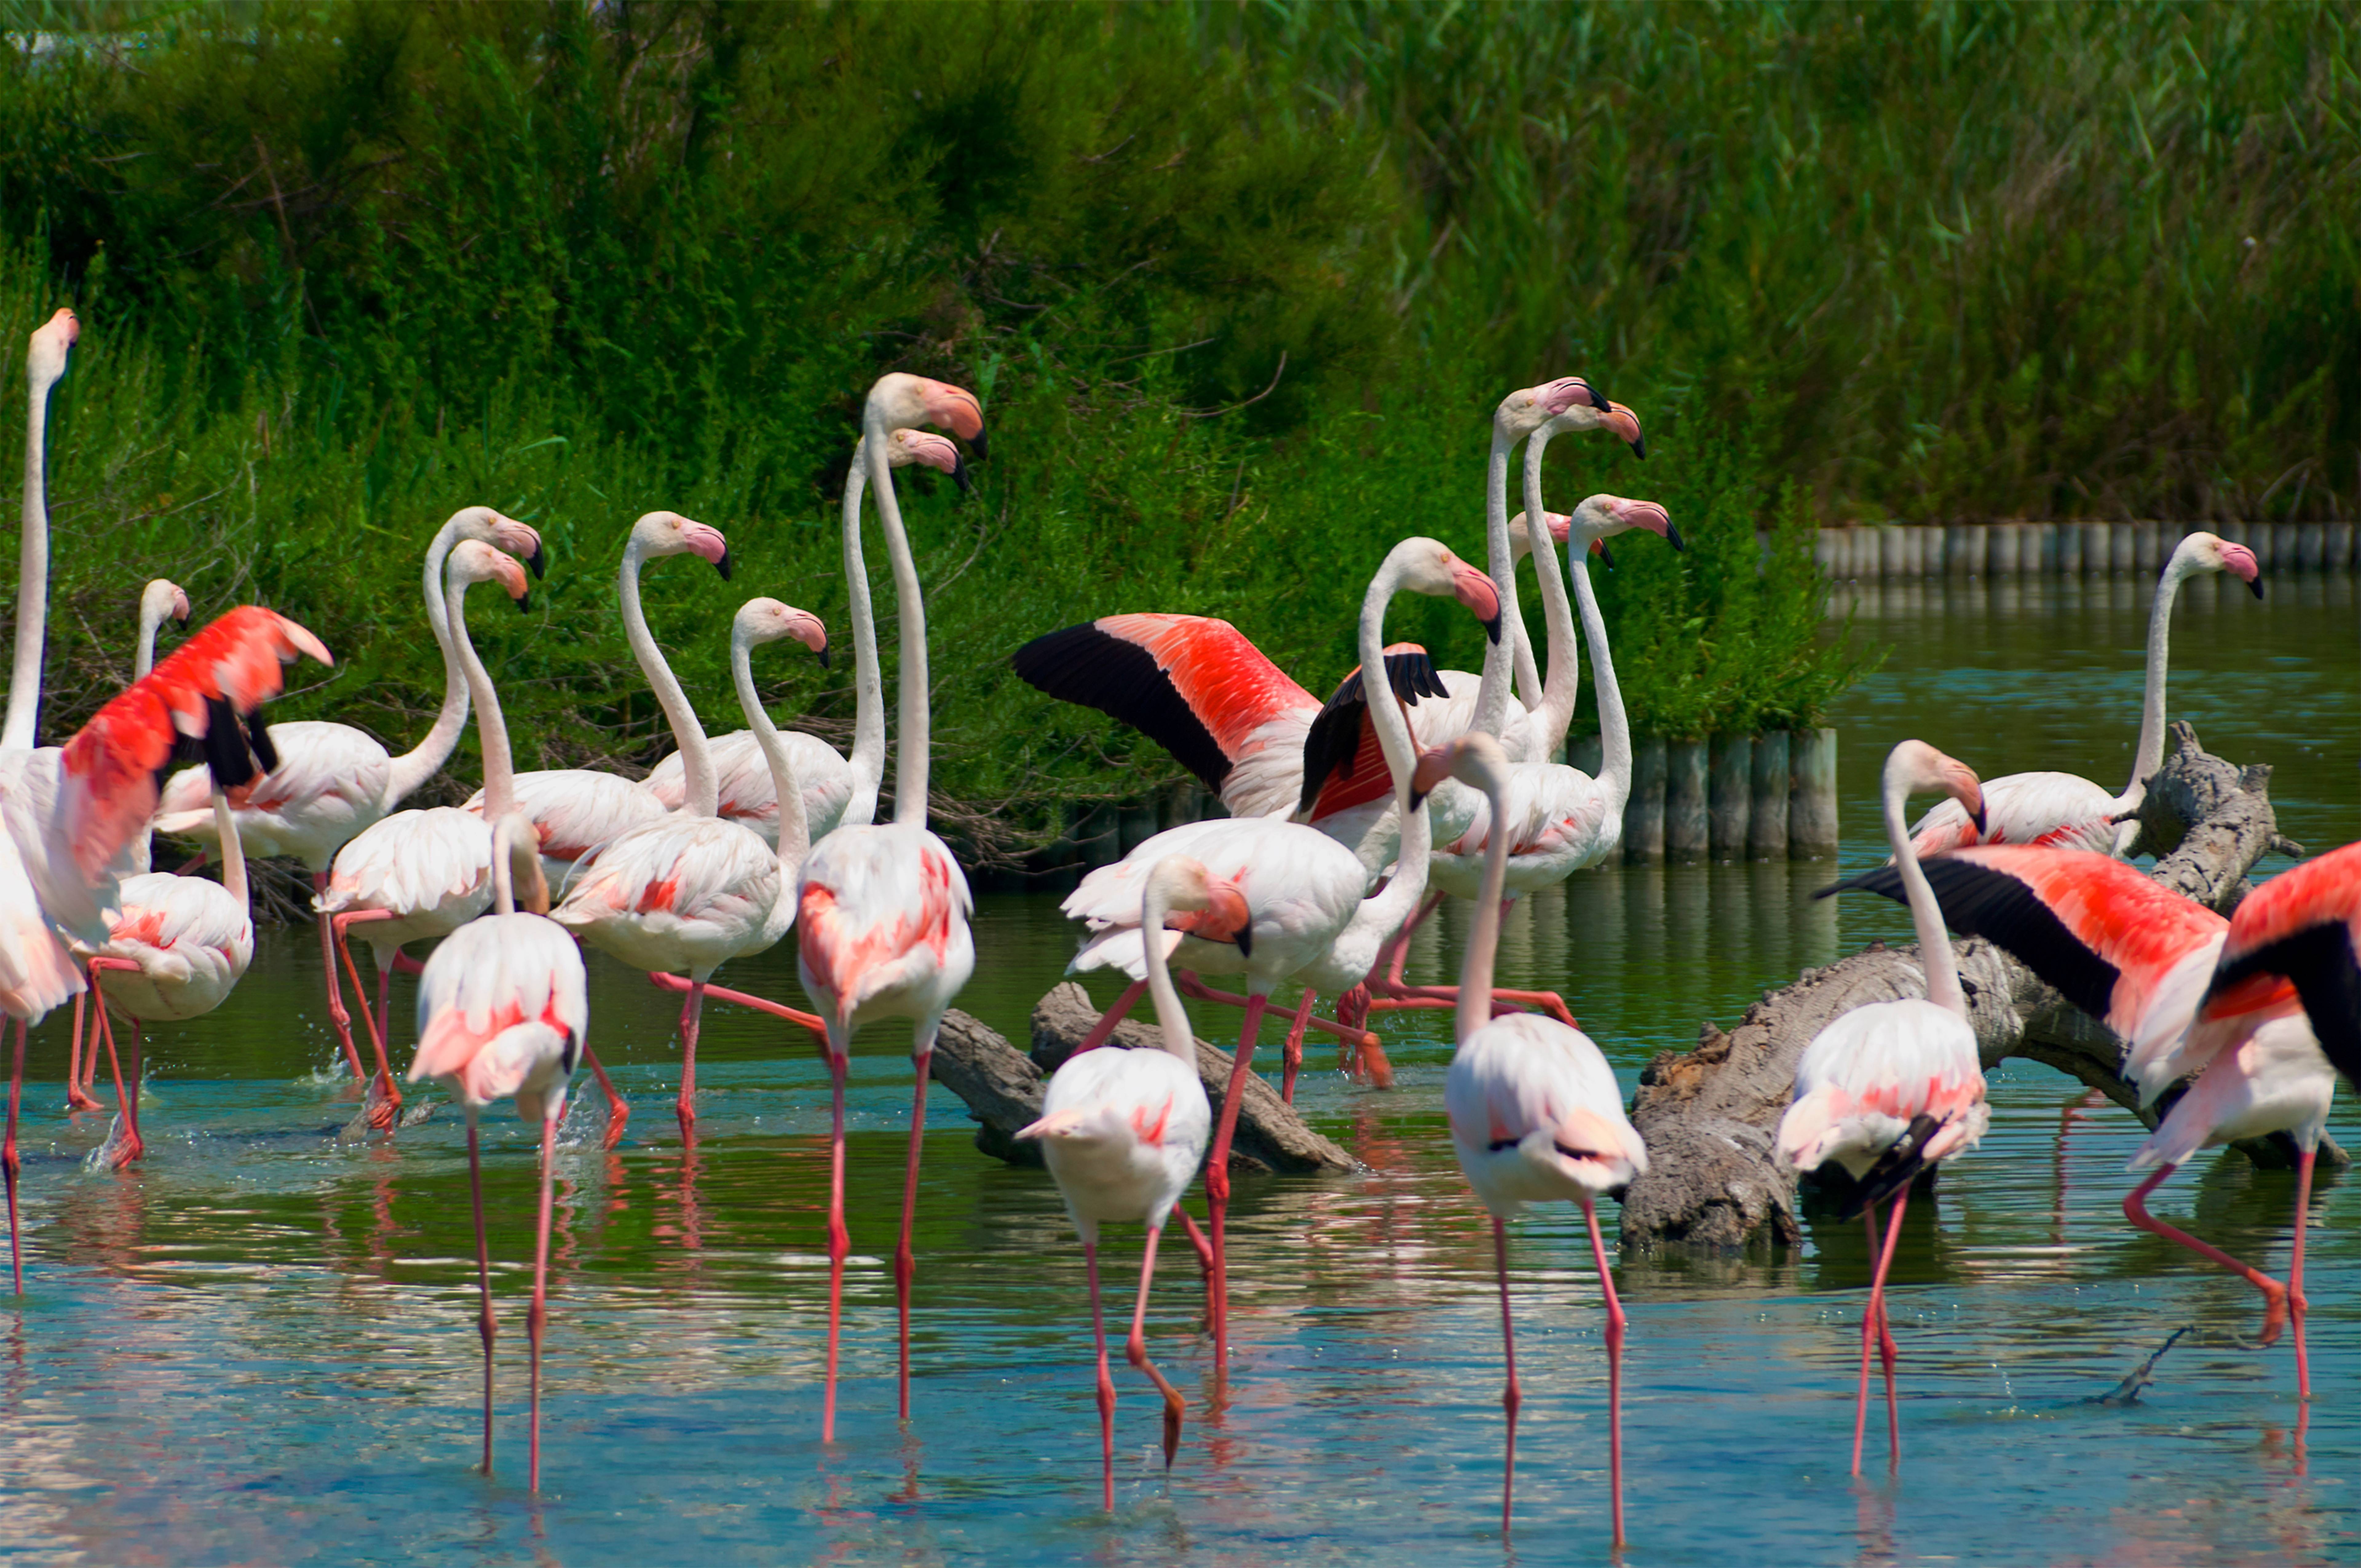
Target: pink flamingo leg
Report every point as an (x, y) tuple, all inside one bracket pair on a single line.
[(1291, 1053), (1106, 1383), (811, 1021), (404, 964), (2297, 1305), (336, 1014), (388, 1106), (1205, 1250), (126, 1100), (1217, 1181), (840, 1244), (1511, 1397), (78, 1088), (1190, 985), (690, 1011), (2274, 1295), (1885, 1347), (619, 1111), (385, 1004), (1134, 1350), (538, 1318), (1398, 950), (9, 1159), (1614, 1366), (1111, 1018), (1870, 1319), (906, 1262), (484, 1325)]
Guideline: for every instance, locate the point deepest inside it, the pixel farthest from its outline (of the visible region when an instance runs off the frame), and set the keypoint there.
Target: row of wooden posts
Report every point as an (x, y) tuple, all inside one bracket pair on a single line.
[(2067, 549)]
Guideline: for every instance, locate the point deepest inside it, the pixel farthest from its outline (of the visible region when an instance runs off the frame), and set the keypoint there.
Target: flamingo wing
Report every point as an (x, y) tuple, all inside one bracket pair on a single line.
[(576, 811), (2052, 811), (1536, 1114), (37, 972), (1878, 1076), (2304, 926), (880, 909), (331, 781), (503, 1009), (1343, 764)]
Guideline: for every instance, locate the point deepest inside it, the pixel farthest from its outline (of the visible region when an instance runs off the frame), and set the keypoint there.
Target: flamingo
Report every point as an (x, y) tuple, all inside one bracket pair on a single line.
[(333, 781), (1295, 894), (1535, 1113), (420, 874), (503, 1009), (883, 909), (2138, 956), (67, 813), (1894, 1087), (695, 891), (2068, 811), (836, 790), (45, 362), (1123, 1133)]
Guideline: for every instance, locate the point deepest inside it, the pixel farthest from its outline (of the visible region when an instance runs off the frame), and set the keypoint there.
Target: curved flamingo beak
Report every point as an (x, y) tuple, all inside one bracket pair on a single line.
[(1599, 548), (66, 326), (1225, 918), (2239, 562), (1565, 392), (1625, 424), (1650, 516), (1474, 589), (1960, 783), (180, 604), (936, 452), (1432, 768), (806, 629), (510, 575), (706, 541), (524, 542), (955, 409)]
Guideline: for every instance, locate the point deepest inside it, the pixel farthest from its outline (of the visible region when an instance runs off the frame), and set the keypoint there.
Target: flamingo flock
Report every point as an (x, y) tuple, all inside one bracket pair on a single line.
[(1347, 822)]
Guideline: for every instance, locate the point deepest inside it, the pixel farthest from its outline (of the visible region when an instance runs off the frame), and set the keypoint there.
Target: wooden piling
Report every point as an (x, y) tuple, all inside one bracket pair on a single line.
[(1643, 813), (1730, 790), (1766, 825), (1687, 802), (1812, 808)]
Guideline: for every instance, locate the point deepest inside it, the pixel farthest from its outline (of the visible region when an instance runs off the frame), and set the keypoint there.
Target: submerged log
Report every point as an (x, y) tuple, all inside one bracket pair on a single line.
[(1709, 1114), (1003, 1087)]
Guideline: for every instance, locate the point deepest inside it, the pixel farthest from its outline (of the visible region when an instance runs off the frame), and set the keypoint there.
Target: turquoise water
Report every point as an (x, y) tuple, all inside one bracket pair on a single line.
[(258, 1348)]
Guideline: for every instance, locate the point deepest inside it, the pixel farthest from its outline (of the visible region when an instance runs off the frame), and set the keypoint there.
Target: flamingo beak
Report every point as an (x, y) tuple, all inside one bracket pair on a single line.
[(180, 605), (1673, 535), (1475, 590), (983, 449), (960, 474), (721, 562), (1599, 548), (1626, 423), (1968, 791), (2239, 562), (1432, 768), (538, 562), (524, 602)]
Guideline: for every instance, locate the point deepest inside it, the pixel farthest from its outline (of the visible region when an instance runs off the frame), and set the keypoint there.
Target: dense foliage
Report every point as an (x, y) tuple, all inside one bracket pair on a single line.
[(1239, 286)]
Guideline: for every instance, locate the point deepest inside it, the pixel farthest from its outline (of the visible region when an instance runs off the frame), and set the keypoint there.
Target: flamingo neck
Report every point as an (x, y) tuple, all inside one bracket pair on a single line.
[(703, 797), (1614, 724), (1484, 937), (911, 756), (32, 583), (2148, 755), (499, 765), (1563, 684), (503, 877), (1935, 954), (1385, 911), (868, 758), (1170, 1018), (152, 620), (794, 826), (424, 761), (233, 853), (1499, 658)]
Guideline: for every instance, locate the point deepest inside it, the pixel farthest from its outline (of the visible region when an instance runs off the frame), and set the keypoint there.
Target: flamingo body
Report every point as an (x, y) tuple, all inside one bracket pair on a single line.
[(1123, 1133), (822, 774), (191, 939), (1537, 1118), (1873, 1072), (576, 812), (430, 870), (682, 892), (2052, 811), (883, 915), (333, 782), (503, 1008)]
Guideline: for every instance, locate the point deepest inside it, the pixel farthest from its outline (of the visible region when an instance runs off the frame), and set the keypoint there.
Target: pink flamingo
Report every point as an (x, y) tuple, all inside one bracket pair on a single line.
[(692, 891), (1894, 1087), (2063, 810), (883, 909), (2138, 957), (1123, 1133), (333, 781), (1298, 893), (45, 362), (68, 813), (420, 874), (1535, 1114), (503, 1009)]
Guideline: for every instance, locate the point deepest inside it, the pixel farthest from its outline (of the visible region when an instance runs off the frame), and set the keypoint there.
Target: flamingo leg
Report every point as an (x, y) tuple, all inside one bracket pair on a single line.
[(484, 1325), (1614, 1365), (1291, 1053), (388, 1099), (1398, 950), (840, 1244), (2297, 1305), (538, 1318), (9, 1159), (404, 964), (73, 1052), (1205, 1250), (2274, 1295), (618, 1110), (78, 1081), (336, 1014), (1106, 1383), (126, 1100), (905, 1263), (691, 1010), (1870, 1318), (811, 1021), (1886, 1348), (1217, 1181), (1134, 1350), (1111, 1018), (385, 1004), (1511, 1397), (1190, 985)]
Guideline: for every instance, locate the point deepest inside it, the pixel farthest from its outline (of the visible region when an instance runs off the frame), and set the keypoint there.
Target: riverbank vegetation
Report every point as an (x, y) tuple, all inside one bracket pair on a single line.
[(1237, 285)]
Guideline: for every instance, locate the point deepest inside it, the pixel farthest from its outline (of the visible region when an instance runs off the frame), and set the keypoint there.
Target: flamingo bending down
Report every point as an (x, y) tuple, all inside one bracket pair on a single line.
[(68, 813), (837, 790), (695, 891), (1122, 1131), (333, 781), (503, 1009), (1294, 895), (1894, 1087), (2065, 811), (420, 874), (2138, 957), (883, 909), (1535, 1115)]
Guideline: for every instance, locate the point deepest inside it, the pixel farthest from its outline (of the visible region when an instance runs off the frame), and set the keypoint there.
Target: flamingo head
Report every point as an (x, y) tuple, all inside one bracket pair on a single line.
[(906, 446), (1916, 768), (496, 528), (45, 354), (1198, 903), (2212, 553), (1426, 566), (473, 561), (916, 399), (1475, 760), (1525, 411), (669, 533), (161, 598), (1595, 412), (763, 620), (1604, 516)]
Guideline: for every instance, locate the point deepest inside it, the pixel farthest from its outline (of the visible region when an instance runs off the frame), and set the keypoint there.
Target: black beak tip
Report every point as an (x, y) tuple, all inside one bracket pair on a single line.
[(1246, 941), (1606, 556), (983, 447), (537, 562), (1977, 816), (821, 653), (1492, 629), (722, 565), (1640, 447), (959, 476), (1599, 399), (2258, 586), (524, 604), (1673, 536), (1418, 799)]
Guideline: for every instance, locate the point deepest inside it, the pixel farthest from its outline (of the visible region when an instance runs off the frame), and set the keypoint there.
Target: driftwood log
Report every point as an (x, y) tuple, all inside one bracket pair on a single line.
[(1003, 1087), (1709, 1114)]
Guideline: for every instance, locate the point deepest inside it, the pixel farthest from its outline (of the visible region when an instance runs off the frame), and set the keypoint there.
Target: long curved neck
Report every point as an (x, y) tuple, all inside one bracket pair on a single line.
[(704, 787), (1935, 953), (868, 680), (1563, 683), (910, 758), (1483, 938), (2148, 755), (795, 826), (1614, 724), (1390, 906), (32, 585), (500, 766), (424, 761), (233, 853), (151, 620), (1169, 1016), (1492, 696)]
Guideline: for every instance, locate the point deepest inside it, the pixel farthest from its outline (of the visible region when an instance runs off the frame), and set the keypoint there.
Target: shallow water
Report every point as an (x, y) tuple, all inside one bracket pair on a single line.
[(259, 1346)]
